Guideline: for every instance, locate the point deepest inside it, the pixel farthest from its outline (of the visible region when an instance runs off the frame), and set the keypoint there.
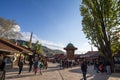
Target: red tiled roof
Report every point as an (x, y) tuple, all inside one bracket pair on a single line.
[(91, 54)]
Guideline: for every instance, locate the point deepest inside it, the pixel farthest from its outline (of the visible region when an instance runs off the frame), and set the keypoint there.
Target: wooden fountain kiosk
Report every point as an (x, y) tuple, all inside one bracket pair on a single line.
[(70, 50)]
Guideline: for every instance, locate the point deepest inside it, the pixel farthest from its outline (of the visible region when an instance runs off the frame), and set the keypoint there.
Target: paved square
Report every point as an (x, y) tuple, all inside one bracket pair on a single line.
[(54, 73)]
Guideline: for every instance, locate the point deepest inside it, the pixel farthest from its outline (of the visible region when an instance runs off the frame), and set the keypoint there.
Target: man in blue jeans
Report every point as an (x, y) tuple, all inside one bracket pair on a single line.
[(84, 69)]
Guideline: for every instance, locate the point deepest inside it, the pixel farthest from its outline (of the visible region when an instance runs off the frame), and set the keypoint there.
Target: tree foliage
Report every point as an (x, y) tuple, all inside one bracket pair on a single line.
[(38, 48), (6, 29), (101, 24)]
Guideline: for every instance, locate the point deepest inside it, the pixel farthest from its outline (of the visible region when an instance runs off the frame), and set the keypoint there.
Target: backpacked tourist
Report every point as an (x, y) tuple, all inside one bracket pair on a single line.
[(84, 69), (36, 66), (20, 65)]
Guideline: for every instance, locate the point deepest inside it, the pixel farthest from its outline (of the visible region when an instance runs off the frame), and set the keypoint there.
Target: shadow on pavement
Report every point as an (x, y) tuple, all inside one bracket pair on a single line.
[(21, 76), (76, 70), (91, 74), (16, 69), (13, 73), (100, 76)]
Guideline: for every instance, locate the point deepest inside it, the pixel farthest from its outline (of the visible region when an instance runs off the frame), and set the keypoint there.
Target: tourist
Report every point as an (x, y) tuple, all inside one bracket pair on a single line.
[(97, 66), (20, 65), (45, 63), (84, 69), (108, 68), (60, 63), (36, 66), (101, 68), (30, 65), (2, 65), (41, 65)]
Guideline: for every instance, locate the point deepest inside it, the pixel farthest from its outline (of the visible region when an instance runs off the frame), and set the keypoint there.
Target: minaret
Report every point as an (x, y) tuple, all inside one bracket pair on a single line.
[(30, 44)]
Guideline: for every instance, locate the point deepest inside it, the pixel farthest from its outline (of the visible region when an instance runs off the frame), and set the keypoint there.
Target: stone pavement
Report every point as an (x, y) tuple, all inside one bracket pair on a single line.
[(54, 73)]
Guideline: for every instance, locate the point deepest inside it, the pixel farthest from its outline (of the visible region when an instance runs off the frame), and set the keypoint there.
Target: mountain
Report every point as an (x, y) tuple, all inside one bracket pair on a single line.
[(50, 52), (47, 51)]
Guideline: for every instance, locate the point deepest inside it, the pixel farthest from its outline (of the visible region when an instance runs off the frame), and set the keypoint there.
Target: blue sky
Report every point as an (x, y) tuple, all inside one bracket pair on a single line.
[(54, 21)]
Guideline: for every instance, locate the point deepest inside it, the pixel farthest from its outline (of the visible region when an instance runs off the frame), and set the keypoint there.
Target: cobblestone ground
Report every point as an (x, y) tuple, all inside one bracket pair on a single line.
[(54, 73)]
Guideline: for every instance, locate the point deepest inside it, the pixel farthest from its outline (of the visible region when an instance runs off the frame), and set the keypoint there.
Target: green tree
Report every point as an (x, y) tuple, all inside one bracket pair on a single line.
[(28, 44), (101, 20), (7, 29), (38, 48)]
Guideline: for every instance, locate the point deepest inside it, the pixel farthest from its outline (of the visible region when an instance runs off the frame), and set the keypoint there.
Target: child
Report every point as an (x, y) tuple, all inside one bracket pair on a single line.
[(41, 67)]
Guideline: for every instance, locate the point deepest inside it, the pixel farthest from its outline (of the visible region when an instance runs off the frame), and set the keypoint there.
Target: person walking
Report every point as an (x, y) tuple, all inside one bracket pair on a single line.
[(2, 64), (36, 66), (97, 66), (41, 65), (20, 65), (84, 69), (108, 68), (30, 65), (45, 64), (101, 68), (2, 68)]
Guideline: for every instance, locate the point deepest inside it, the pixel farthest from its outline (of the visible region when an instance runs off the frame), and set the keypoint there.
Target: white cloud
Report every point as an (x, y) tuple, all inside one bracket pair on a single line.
[(49, 44), (85, 48), (26, 36), (81, 50), (16, 28)]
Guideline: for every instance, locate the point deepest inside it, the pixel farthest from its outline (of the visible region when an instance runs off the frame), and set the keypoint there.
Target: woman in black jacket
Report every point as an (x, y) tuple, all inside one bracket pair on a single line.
[(84, 69)]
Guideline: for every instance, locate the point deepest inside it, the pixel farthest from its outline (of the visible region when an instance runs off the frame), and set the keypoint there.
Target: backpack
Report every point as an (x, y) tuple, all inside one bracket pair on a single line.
[(101, 67), (41, 65)]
